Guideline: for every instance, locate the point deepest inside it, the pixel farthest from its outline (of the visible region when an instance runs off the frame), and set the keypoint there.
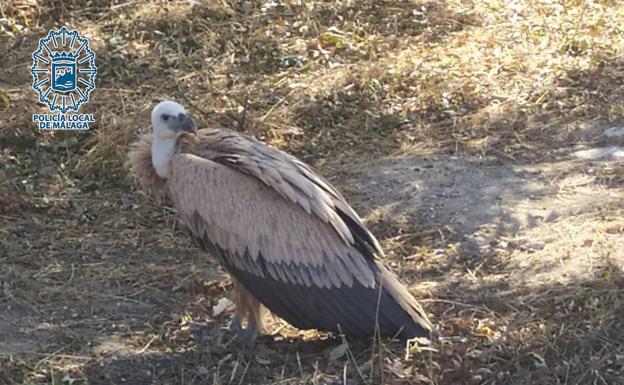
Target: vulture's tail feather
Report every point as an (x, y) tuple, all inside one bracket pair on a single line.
[(406, 311)]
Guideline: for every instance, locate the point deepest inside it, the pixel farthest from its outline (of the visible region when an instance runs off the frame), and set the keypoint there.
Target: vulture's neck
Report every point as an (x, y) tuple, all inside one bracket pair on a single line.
[(162, 150)]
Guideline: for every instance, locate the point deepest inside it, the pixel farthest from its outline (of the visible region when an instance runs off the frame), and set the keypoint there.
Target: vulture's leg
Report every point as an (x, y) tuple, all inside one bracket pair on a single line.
[(247, 308)]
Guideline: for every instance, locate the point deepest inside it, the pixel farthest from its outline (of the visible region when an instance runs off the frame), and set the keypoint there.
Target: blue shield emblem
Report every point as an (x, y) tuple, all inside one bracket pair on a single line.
[(63, 70), (63, 75)]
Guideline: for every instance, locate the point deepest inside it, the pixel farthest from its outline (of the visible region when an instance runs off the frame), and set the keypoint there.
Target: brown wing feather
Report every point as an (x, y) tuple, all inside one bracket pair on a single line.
[(240, 214), (292, 179)]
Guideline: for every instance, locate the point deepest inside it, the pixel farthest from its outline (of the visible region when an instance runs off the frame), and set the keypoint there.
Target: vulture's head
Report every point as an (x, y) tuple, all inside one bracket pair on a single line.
[(169, 119)]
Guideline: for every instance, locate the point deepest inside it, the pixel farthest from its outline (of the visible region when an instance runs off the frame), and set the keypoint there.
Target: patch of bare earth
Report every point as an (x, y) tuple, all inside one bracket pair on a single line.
[(527, 256)]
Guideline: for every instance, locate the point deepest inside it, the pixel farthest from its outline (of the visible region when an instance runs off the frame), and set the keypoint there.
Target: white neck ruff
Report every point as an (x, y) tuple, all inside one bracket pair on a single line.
[(162, 150)]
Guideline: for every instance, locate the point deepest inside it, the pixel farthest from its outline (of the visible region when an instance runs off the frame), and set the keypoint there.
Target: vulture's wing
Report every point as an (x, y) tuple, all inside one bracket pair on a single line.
[(291, 240), (249, 220), (293, 180)]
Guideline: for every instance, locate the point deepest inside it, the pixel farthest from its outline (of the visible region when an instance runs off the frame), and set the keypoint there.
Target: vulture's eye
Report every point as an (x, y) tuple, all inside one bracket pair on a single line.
[(165, 117)]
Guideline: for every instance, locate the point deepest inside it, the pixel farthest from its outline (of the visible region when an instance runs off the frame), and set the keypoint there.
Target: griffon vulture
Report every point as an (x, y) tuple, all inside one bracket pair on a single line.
[(287, 237)]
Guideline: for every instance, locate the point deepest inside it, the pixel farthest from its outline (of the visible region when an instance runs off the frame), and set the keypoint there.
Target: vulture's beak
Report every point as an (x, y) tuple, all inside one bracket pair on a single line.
[(185, 123)]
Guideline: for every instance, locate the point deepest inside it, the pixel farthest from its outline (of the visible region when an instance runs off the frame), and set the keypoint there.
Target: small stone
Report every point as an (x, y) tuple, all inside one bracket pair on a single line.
[(551, 216), (203, 371), (483, 372), (48, 170), (612, 152), (614, 132)]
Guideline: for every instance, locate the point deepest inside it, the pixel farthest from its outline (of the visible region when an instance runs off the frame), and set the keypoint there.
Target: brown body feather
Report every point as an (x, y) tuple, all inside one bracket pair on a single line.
[(288, 238)]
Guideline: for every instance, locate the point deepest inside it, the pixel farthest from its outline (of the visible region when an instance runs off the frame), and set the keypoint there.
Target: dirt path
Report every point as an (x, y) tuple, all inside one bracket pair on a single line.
[(552, 218)]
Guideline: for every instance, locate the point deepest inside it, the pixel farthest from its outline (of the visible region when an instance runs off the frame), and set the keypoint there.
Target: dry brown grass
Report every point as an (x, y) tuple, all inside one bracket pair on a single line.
[(100, 283)]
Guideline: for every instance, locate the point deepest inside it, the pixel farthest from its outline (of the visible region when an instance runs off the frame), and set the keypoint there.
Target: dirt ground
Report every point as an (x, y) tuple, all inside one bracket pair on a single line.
[(509, 247), (481, 141)]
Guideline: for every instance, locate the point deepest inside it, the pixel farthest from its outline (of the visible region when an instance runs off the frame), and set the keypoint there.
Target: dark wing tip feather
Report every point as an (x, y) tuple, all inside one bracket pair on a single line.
[(420, 326), (351, 310), (365, 242)]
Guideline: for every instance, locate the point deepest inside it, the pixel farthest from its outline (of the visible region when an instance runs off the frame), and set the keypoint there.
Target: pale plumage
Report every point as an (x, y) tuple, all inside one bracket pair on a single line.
[(287, 237)]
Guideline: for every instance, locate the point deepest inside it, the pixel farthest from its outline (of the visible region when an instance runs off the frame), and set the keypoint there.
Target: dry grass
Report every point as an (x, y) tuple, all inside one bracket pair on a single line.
[(100, 283)]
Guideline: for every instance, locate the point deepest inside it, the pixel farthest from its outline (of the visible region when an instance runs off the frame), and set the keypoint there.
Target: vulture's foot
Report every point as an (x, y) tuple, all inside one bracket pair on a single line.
[(199, 331), (246, 336), (235, 324)]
